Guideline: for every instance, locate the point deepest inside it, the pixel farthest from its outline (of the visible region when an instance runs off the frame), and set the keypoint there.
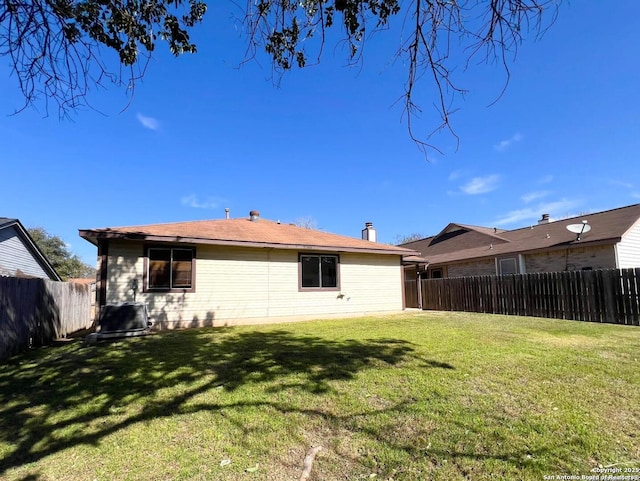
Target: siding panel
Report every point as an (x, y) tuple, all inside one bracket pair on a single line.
[(15, 256), (242, 285), (629, 248)]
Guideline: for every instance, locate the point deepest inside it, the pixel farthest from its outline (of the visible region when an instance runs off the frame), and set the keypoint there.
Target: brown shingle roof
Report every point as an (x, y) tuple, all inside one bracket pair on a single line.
[(243, 232), (606, 227)]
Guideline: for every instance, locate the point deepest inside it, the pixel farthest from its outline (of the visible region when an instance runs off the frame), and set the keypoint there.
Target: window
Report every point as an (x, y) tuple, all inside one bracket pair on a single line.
[(170, 268), (507, 266), (436, 274), (319, 271)]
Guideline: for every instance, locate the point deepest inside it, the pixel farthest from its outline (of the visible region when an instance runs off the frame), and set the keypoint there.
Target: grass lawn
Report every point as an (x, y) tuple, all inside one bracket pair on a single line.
[(408, 397)]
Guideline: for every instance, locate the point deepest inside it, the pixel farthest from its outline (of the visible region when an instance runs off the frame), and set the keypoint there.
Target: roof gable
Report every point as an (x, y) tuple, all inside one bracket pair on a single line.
[(456, 237)]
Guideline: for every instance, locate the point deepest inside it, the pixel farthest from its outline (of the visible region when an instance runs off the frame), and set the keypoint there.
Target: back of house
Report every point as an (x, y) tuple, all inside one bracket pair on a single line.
[(245, 271)]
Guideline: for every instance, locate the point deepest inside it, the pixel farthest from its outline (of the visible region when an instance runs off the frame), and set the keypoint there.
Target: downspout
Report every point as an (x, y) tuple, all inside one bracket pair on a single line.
[(419, 284), (101, 287), (269, 281)]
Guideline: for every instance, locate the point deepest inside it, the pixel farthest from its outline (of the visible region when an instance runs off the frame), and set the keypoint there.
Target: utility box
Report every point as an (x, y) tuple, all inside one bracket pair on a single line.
[(121, 320), (129, 316)]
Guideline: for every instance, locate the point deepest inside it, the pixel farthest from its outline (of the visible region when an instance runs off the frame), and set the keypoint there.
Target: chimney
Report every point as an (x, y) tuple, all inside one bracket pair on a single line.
[(369, 233), (544, 220), (226, 213), (254, 215)]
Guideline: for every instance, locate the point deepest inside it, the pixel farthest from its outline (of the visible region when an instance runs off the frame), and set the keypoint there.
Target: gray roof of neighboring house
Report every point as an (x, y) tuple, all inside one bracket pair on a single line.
[(5, 221), (459, 242)]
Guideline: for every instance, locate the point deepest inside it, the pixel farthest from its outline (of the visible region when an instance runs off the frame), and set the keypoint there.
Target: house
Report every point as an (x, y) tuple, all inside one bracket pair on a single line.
[(19, 255), (245, 271), (603, 240)]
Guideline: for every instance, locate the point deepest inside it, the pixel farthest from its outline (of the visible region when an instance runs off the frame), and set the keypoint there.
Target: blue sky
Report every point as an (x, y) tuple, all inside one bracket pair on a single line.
[(330, 144)]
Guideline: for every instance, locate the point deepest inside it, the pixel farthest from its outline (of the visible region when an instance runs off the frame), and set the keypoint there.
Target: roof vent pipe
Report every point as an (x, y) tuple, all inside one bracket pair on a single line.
[(254, 215), (544, 220), (226, 213), (369, 233)]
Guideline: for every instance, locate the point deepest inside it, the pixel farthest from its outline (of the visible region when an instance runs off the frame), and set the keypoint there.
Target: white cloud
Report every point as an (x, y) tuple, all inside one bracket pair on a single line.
[(554, 209), (531, 196), (208, 203), (505, 144), (148, 122), (481, 185)]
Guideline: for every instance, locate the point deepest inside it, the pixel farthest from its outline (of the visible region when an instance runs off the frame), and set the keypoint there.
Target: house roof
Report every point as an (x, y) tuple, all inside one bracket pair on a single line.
[(244, 232), (6, 222), (459, 242)]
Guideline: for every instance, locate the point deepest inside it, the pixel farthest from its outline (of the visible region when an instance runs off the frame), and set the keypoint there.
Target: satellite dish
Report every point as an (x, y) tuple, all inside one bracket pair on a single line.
[(579, 229)]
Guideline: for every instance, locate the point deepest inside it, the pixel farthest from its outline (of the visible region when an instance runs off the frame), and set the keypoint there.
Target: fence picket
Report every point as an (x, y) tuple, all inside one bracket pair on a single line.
[(608, 295), (36, 311), (635, 296)]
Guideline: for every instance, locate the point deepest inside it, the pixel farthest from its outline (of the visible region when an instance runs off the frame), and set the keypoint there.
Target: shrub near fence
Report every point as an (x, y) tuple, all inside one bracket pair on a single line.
[(610, 295), (36, 311)]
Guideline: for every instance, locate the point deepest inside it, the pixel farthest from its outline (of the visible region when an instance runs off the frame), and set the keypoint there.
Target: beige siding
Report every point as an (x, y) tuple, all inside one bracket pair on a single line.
[(242, 285), (629, 248), (598, 257)]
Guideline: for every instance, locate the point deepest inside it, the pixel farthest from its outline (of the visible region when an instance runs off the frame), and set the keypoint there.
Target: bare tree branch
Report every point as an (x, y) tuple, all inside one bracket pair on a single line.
[(56, 47), (487, 30), (60, 49)]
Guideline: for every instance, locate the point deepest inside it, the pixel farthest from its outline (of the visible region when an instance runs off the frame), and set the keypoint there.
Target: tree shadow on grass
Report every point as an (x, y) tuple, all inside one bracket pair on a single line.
[(56, 398)]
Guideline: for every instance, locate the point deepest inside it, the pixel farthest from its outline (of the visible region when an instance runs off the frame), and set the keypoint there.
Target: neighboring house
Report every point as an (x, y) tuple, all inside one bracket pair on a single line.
[(612, 241), (19, 255), (247, 270)]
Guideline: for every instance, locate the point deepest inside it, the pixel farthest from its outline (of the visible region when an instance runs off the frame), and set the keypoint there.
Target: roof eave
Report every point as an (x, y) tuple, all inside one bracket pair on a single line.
[(94, 237)]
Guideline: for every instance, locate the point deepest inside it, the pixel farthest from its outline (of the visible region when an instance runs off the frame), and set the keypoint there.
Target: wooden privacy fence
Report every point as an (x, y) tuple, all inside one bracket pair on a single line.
[(36, 311), (411, 293), (610, 295)]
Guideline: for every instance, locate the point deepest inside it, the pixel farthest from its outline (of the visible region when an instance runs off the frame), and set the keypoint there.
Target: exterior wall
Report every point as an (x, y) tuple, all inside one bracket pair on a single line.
[(629, 248), (245, 286), (597, 257), (483, 267), (15, 256)]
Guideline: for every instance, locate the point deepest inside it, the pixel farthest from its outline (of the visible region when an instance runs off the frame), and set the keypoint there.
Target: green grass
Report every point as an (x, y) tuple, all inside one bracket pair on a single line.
[(410, 397)]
